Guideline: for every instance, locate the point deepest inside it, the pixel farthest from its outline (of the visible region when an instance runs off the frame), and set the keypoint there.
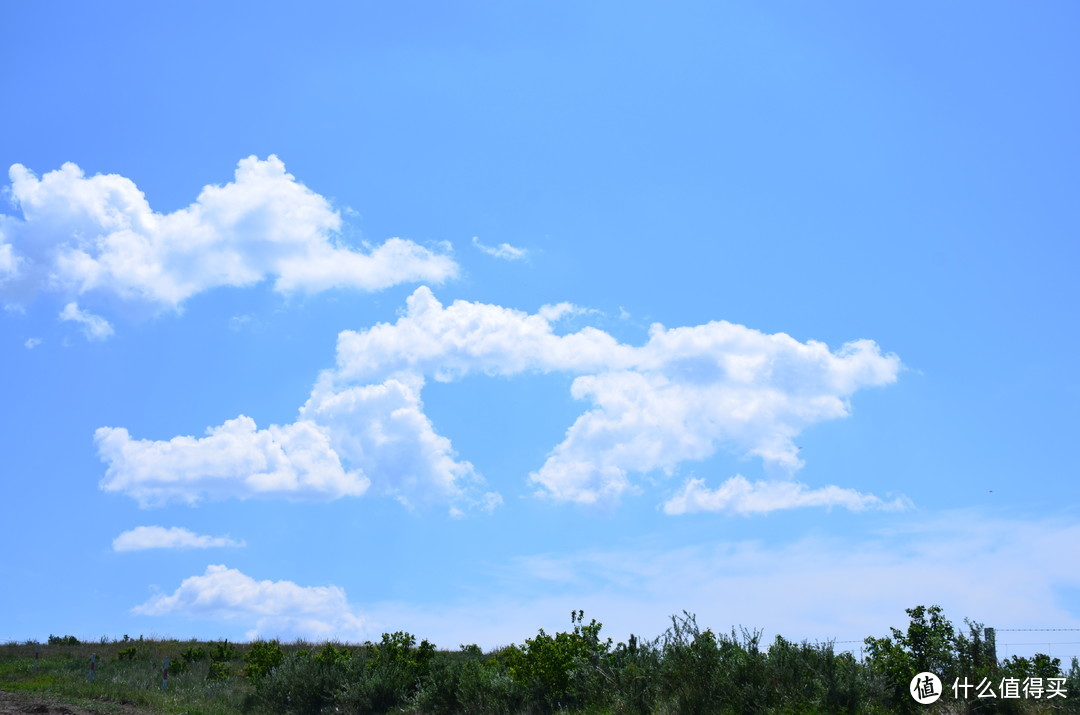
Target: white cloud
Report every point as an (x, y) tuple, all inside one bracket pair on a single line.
[(277, 609), (694, 390), (684, 395), (446, 342), (234, 460), (739, 496), (8, 260), (81, 234), (382, 431), (556, 312), (504, 250), (32, 343), (94, 327), (158, 537), (379, 431)]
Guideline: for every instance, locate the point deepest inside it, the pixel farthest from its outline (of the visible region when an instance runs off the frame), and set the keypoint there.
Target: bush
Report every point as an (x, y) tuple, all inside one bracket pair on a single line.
[(464, 683), (263, 657), (218, 671), (304, 684), (178, 666), (545, 666), (193, 655), (224, 652), (63, 640), (632, 677)]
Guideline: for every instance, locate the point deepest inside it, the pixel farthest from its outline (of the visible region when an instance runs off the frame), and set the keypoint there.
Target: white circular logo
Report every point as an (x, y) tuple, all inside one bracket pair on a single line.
[(925, 688)]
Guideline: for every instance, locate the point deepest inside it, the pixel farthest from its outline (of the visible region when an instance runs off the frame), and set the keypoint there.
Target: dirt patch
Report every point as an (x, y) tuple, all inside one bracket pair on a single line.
[(23, 704), (19, 704)]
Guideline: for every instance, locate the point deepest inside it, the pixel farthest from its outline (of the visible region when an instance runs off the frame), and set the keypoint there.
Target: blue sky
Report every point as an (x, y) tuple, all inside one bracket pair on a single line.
[(452, 318)]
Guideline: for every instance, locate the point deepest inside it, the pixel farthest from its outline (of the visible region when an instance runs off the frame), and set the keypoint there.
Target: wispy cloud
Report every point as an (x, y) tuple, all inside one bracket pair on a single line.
[(558, 311), (32, 343), (275, 609), (739, 496), (80, 234), (814, 587), (158, 537), (94, 327), (504, 250), (8, 260)]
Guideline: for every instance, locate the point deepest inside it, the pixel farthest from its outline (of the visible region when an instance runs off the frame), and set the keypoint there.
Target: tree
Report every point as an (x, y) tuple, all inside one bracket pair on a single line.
[(928, 645)]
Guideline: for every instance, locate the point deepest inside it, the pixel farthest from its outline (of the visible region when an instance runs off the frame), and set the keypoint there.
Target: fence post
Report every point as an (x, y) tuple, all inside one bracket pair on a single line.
[(165, 673), (991, 645), (93, 667), (37, 655)]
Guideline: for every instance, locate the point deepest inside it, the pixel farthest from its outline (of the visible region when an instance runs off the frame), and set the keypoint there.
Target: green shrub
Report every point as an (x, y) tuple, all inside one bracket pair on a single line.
[(377, 690), (193, 655), (224, 652), (304, 684), (463, 683), (218, 671), (263, 657), (63, 640), (127, 654), (544, 667), (631, 678), (331, 655)]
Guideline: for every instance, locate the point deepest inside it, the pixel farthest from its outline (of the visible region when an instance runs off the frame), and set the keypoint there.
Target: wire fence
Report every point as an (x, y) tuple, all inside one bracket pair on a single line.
[(1005, 649)]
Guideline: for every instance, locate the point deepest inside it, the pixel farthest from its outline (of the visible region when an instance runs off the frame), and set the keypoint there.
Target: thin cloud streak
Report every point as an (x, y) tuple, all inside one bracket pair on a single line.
[(739, 496), (814, 587), (94, 327), (503, 251), (142, 538)]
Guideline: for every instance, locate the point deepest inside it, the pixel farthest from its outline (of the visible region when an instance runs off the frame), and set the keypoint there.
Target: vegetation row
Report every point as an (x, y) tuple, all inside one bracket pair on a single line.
[(685, 670)]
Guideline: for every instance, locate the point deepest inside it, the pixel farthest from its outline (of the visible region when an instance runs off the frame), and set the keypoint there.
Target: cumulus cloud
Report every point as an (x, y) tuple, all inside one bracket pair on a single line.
[(80, 234), (682, 396), (234, 460), (504, 250), (32, 343), (692, 391), (158, 537), (685, 394), (739, 496), (277, 609), (94, 327), (382, 431), (466, 337)]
